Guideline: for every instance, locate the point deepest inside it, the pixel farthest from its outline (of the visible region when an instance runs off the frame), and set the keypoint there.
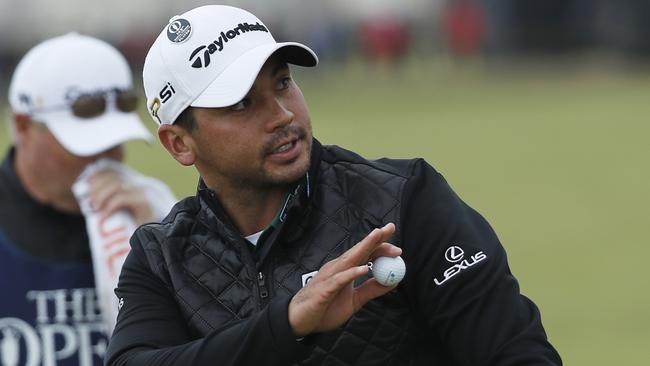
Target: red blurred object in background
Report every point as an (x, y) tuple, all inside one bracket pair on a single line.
[(384, 39), (464, 25)]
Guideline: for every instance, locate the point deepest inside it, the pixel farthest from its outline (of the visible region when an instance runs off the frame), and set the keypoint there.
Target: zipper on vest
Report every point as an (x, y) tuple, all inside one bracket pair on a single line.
[(261, 283)]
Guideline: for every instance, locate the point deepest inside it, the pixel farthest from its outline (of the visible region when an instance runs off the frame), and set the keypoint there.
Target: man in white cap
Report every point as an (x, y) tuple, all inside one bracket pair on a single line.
[(267, 265), (73, 106)]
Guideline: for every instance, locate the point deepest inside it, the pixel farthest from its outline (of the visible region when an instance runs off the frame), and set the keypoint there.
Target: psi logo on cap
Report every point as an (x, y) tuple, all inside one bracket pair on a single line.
[(179, 30)]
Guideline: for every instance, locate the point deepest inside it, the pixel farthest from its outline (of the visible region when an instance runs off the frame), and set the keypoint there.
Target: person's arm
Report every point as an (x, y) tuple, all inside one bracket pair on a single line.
[(150, 329), (467, 295)]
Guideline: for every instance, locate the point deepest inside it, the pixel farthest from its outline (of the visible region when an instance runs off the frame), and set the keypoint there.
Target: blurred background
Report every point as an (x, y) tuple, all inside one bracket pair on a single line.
[(536, 112)]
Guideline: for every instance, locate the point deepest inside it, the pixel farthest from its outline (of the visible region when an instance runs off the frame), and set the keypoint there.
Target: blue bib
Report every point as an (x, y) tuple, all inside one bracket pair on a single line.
[(49, 313)]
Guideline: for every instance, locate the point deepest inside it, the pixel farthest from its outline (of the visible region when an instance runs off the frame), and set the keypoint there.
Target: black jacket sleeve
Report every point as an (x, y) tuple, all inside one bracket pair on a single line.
[(463, 289), (150, 329)]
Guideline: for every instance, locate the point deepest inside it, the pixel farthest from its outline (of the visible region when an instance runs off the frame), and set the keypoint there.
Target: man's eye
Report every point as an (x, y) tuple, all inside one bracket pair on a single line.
[(285, 82)]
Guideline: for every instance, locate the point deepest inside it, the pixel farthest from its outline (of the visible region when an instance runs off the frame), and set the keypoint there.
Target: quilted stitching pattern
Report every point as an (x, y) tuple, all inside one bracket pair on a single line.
[(373, 334), (214, 279)]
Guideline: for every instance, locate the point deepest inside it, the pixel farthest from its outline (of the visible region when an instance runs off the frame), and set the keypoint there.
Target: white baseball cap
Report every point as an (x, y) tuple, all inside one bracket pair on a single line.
[(210, 57), (53, 74)]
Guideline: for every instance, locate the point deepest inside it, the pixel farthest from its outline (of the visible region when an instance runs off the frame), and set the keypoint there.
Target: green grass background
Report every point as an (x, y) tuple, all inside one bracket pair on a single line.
[(556, 158)]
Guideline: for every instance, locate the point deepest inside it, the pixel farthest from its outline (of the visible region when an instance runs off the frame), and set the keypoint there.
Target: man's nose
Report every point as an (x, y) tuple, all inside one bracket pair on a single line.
[(279, 115)]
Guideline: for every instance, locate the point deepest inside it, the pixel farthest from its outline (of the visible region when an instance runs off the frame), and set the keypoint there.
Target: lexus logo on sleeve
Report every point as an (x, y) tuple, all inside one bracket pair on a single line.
[(454, 254)]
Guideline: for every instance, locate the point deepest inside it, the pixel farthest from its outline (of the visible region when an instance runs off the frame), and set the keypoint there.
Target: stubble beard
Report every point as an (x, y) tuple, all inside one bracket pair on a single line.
[(264, 179), (284, 178)]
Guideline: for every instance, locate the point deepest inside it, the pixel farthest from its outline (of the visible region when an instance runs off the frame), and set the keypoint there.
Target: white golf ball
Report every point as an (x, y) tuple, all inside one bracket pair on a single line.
[(388, 271)]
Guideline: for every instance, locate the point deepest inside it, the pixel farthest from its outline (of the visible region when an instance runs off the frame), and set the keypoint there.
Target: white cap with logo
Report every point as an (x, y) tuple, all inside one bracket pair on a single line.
[(56, 73), (210, 57)]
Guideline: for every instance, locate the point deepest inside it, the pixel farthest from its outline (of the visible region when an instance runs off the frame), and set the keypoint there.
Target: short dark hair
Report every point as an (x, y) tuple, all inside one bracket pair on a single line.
[(186, 120)]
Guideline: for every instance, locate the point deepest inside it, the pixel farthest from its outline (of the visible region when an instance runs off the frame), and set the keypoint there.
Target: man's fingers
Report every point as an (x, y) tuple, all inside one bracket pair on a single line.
[(313, 301), (116, 203), (329, 289), (110, 192), (360, 253), (386, 250), (368, 291), (335, 283), (329, 299), (134, 202), (101, 196), (104, 185)]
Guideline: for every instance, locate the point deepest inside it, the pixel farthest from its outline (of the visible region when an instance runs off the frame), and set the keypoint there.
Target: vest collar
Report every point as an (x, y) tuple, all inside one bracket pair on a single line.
[(296, 204)]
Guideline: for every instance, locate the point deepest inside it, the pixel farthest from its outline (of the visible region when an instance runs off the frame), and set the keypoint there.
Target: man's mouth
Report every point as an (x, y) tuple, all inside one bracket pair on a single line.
[(284, 141), (284, 147)]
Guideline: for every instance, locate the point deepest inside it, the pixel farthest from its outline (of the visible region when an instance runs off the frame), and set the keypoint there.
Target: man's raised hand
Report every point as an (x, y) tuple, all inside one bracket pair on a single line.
[(329, 299)]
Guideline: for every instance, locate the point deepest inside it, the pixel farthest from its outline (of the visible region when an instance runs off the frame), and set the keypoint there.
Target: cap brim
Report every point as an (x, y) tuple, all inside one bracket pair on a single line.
[(236, 80), (86, 137)]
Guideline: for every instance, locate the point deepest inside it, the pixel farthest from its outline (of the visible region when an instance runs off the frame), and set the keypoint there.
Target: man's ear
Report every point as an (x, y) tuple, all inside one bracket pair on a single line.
[(179, 142)]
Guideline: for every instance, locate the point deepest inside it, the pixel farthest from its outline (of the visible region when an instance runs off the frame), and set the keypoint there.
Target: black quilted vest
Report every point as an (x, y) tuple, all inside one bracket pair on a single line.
[(217, 277)]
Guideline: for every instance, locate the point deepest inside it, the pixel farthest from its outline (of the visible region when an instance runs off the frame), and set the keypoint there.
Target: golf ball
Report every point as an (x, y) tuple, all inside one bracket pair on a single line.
[(388, 271)]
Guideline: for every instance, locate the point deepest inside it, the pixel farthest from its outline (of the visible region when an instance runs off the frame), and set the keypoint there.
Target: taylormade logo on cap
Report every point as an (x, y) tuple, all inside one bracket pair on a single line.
[(210, 57), (218, 44)]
